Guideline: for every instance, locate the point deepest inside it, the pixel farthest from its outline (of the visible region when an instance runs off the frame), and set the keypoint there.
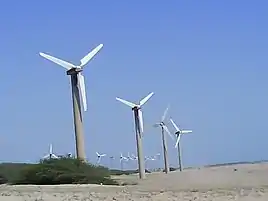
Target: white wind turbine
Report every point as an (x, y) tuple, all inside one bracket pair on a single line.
[(129, 157), (138, 118), (122, 159), (51, 155), (99, 157), (164, 129), (111, 161), (78, 89), (134, 157), (156, 157), (178, 133)]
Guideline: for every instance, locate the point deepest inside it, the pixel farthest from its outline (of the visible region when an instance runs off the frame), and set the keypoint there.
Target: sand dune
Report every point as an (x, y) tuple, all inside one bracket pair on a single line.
[(248, 182)]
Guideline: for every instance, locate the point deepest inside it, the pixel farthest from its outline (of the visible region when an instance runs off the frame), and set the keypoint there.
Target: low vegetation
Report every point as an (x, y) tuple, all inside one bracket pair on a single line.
[(55, 171)]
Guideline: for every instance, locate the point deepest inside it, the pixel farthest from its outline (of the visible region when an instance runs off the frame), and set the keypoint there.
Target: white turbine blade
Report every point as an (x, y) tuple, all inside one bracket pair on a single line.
[(165, 114), (126, 102), (186, 131), (144, 100), (60, 62), (46, 156), (81, 82), (103, 155), (50, 148), (97, 153), (178, 140), (175, 126), (166, 129), (141, 120), (90, 55), (54, 156)]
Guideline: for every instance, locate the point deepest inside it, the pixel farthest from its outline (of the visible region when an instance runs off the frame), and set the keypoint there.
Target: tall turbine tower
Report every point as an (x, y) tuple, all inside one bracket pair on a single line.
[(78, 88), (136, 108), (178, 133), (163, 129)]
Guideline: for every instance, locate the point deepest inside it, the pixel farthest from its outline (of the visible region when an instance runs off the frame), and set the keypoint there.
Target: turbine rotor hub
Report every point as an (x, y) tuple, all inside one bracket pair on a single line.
[(178, 132), (73, 71)]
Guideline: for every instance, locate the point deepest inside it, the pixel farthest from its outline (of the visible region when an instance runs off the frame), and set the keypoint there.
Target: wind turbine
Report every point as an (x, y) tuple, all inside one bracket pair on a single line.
[(78, 88), (99, 156), (134, 157), (136, 108), (122, 158), (50, 155), (178, 133), (156, 157), (164, 129), (129, 157), (111, 161)]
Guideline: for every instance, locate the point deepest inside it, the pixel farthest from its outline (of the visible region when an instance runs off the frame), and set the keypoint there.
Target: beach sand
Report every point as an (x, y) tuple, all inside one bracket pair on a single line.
[(248, 182)]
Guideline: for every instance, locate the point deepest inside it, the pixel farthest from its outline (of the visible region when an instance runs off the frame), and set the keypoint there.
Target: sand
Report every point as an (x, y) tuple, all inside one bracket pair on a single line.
[(236, 182)]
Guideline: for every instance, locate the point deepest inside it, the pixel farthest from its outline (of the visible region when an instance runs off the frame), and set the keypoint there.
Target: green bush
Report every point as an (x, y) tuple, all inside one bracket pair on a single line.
[(3, 179), (64, 171), (11, 171)]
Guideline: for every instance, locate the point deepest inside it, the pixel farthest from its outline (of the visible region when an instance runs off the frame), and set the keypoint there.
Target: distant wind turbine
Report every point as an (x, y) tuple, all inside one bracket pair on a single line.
[(178, 133), (122, 159), (51, 155), (99, 156), (164, 129)]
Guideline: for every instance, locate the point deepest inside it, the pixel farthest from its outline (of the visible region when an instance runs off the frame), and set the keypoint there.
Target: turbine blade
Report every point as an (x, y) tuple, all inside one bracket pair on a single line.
[(140, 120), (165, 114), (81, 82), (166, 129), (175, 126), (90, 55), (97, 153), (50, 148), (186, 131), (54, 156), (60, 62), (178, 140), (144, 100), (126, 102)]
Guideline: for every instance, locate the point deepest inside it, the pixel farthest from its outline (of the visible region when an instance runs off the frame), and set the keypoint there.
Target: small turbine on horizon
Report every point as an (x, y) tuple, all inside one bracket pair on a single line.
[(164, 129), (178, 133), (122, 159), (78, 90), (138, 117), (51, 155)]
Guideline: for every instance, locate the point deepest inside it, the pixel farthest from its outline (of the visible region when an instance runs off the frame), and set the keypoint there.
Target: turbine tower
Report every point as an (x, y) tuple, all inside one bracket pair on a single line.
[(136, 108), (78, 89), (163, 129), (178, 133)]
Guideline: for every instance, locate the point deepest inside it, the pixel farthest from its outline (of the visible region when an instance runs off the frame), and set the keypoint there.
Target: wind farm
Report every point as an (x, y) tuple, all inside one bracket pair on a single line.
[(134, 102)]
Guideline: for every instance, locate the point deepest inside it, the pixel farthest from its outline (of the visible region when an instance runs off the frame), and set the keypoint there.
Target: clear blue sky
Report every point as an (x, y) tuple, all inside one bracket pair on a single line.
[(208, 59)]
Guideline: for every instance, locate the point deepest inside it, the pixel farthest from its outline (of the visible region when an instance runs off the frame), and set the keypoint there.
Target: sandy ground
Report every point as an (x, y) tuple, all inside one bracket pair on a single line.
[(248, 183)]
